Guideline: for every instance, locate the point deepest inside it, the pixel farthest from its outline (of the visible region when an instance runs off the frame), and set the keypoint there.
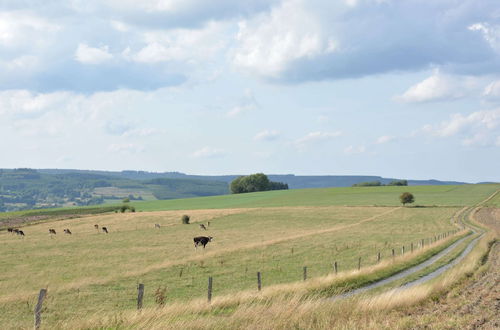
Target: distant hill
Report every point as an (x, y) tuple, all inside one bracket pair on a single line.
[(22, 189), (293, 181)]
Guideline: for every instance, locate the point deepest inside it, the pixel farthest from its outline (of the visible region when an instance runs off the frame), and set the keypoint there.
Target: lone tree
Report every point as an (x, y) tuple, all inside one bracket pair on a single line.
[(406, 198)]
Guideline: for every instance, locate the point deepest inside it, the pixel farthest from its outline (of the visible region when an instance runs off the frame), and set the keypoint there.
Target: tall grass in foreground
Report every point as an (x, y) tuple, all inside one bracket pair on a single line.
[(285, 306)]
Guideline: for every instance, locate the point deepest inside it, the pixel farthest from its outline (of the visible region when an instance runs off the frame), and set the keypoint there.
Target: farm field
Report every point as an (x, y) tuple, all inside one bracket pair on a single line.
[(90, 272), (445, 195)]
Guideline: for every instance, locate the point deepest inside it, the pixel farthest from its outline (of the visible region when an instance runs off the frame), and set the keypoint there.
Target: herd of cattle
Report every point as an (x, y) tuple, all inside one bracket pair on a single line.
[(198, 241)]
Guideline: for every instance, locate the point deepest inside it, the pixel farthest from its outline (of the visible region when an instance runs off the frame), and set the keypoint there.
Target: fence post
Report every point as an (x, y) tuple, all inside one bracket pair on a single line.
[(305, 273), (403, 250), (335, 267), (422, 242), (393, 254), (411, 247), (259, 281), (378, 256), (209, 296), (38, 308), (359, 263), (140, 295)]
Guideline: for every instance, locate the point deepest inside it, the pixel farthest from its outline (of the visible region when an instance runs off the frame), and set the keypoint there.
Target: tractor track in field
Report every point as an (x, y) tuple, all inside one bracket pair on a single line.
[(412, 270)]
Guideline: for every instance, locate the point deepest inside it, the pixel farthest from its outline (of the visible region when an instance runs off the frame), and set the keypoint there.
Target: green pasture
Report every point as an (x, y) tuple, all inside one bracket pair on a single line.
[(452, 195)]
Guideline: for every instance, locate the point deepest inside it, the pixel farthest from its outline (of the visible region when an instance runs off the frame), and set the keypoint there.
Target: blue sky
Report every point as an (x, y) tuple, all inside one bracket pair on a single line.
[(398, 88)]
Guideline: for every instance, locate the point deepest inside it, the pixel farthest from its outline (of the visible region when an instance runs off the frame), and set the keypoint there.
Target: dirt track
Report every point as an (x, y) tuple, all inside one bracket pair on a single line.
[(475, 303)]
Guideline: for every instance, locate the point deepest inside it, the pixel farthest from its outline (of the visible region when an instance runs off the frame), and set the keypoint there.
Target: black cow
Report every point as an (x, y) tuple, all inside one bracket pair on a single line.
[(104, 229), (201, 240), (52, 231), (67, 231)]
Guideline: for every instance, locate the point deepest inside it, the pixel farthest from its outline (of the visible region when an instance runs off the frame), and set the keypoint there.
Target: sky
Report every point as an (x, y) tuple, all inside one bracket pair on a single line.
[(396, 88)]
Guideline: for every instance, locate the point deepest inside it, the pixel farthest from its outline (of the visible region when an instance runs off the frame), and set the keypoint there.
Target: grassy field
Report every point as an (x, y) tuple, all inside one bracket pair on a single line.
[(276, 233), (461, 195)]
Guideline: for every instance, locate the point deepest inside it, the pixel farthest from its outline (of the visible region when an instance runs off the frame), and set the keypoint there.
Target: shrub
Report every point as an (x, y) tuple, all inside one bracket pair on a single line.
[(160, 295), (185, 219)]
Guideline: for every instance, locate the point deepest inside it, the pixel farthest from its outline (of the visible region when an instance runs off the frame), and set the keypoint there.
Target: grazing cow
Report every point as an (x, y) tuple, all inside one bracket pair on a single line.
[(52, 231), (20, 232), (104, 229), (10, 230), (201, 240), (202, 226), (96, 227), (67, 231), (157, 225)]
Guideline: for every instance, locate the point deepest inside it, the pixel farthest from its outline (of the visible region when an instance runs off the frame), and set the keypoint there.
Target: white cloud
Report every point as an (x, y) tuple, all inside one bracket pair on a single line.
[(492, 91), (208, 152), (477, 128), (21, 28), (351, 150), (247, 103), (119, 26), (183, 44), (269, 42), (267, 135), (90, 55), (439, 87), (490, 32), (315, 137), (384, 139), (142, 132), (126, 148), (303, 40), (23, 103)]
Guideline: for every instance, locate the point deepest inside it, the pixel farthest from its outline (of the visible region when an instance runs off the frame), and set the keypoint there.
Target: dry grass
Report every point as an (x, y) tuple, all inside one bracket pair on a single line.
[(291, 306)]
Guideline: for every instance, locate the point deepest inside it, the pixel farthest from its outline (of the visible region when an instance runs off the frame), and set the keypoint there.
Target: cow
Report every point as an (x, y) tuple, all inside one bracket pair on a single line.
[(15, 230), (67, 231), (104, 229), (96, 227), (202, 226), (52, 231), (201, 240), (157, 225)]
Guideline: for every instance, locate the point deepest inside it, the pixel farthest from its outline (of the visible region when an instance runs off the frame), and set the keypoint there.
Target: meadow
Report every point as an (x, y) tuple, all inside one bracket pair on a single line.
[(276, 233)]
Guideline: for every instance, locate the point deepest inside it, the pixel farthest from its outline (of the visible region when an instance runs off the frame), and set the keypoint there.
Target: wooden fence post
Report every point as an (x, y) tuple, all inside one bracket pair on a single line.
[(259, 281), (335, 267), (411, 247), (359, 263), (403, 250), (393, 254), (140, 295), (422, 243), (305, 273), (209, 296), (38, 308), (378, 256)]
